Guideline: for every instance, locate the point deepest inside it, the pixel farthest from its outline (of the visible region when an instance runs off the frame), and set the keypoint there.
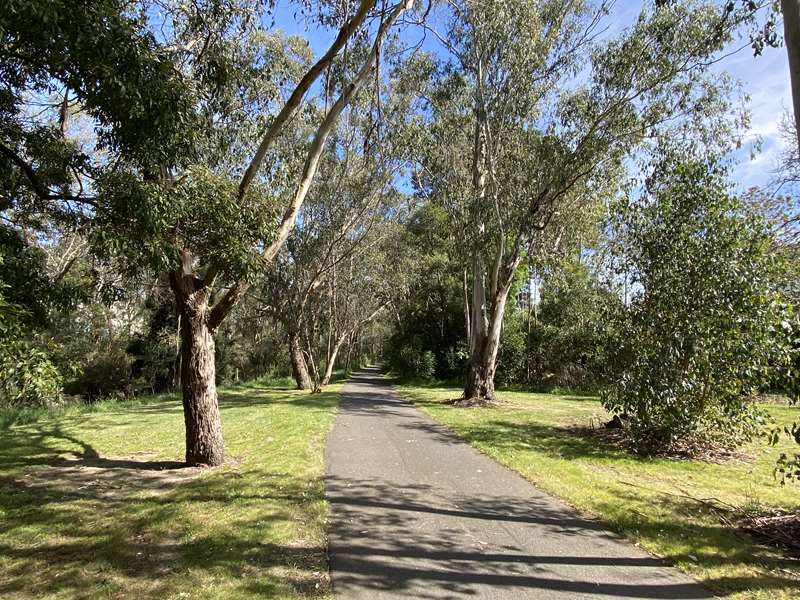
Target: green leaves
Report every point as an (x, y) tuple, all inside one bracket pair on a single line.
[(703, 325), (144, 225), (105, 56), (27, 376)]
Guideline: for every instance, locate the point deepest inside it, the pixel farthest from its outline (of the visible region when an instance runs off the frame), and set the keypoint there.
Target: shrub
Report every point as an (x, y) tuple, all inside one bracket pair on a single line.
[(699, 331), (413, 362), (104, 376), (27, 376)]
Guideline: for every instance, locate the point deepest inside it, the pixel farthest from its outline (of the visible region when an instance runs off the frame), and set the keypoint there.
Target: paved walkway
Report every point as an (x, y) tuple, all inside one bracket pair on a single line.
[(416, 513)]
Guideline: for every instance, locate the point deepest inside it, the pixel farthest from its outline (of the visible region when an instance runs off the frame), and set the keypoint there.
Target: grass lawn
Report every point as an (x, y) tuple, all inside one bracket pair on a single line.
[(91, 505), (654, 502)]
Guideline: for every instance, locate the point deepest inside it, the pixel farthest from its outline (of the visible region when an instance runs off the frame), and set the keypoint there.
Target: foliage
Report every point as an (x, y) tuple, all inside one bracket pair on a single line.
[(573, 340), (27, 376), (102, 52), (512, 361), (431, 314), (411, 361), (700, 331)]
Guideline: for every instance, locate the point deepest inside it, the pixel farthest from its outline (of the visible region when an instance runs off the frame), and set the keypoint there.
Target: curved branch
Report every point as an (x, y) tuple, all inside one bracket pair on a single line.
[(317, 146), (39, 188), (345, 33)]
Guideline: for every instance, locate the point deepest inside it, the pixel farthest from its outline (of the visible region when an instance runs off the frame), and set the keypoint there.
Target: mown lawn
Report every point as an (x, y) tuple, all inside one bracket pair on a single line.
[(92, 506), (670, 508)]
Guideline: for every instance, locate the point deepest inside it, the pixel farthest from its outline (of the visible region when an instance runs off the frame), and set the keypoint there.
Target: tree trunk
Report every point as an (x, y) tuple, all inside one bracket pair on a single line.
[(477, 380), (479, 375), (466, 307), (332, 360), (482, 364), (204, 442), (299, 366), (791, 35)]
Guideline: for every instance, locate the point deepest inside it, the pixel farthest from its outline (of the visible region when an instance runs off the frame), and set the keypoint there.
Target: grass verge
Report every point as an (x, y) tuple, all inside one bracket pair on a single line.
[(93, 503), (670, 508)]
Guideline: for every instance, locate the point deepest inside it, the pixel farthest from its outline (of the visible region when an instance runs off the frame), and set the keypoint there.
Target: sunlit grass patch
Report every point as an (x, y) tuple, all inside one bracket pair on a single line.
[(93, 503)]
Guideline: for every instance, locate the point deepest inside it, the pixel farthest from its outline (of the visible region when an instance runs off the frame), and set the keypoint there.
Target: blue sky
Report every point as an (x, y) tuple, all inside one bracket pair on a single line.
[(764, 78)]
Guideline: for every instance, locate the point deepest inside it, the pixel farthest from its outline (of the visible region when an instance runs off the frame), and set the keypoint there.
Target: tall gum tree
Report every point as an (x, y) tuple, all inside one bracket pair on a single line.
[(170, 200), (552, 112), (311, 287), (199, 318)]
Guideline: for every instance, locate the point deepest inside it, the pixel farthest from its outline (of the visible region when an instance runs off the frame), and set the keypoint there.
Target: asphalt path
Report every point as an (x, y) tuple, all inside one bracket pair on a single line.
[(417, 513)]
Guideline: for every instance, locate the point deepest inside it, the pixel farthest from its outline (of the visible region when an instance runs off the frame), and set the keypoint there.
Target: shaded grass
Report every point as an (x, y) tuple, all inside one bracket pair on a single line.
[(670, 508), (82, 514)]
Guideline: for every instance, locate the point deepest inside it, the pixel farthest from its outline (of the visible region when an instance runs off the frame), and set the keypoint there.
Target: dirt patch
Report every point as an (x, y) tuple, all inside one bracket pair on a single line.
[(706, 452), (475, 402), (112, 478), (779, 530)]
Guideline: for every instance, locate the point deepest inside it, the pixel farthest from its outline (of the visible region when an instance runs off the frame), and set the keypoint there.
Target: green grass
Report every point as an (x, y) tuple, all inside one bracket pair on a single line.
[(84, 513), (654, 502)]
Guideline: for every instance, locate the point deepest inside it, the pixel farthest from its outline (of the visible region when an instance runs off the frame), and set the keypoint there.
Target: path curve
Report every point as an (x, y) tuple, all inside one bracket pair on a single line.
[(417, 513)]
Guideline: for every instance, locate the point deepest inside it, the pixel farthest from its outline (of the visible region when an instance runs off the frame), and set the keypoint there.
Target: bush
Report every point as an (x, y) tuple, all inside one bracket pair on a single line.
[(512, 359), (27, 376), (699, 334), (453, 363), (153, 363), (413, 362), (104, 376)]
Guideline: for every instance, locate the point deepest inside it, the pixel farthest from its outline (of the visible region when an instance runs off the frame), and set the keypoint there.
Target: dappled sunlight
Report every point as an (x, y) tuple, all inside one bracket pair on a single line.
[(112, 485)]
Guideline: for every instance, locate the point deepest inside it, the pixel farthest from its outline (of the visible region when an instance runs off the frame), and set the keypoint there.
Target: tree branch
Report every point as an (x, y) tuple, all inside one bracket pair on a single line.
[(345, 33)]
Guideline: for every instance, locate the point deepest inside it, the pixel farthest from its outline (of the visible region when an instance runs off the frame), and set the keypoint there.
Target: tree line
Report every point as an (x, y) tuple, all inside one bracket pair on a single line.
[(509, 193)]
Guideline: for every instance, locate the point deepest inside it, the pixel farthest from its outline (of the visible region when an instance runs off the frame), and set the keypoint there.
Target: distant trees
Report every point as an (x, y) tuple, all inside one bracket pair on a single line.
[(428, 324), (573, 338)]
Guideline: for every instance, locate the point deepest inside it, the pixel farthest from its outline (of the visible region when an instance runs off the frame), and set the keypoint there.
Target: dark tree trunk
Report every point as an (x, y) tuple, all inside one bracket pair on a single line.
[(204, 442), (479, 381), (299, 366)]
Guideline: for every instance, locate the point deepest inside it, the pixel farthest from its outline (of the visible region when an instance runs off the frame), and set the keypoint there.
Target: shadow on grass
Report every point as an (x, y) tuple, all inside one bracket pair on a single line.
[(144, 542), (556, 442), (710, 543), (89, 525)]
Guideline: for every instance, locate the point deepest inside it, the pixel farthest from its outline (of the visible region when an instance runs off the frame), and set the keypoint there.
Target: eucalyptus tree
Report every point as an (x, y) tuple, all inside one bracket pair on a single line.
[(335, 224), (363, 289), (312, 284), (174, 196), (539, 115)]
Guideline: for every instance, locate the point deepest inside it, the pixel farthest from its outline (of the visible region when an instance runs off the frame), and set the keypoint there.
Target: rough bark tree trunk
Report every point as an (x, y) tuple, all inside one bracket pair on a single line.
[(299, 366), (204, 442)]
